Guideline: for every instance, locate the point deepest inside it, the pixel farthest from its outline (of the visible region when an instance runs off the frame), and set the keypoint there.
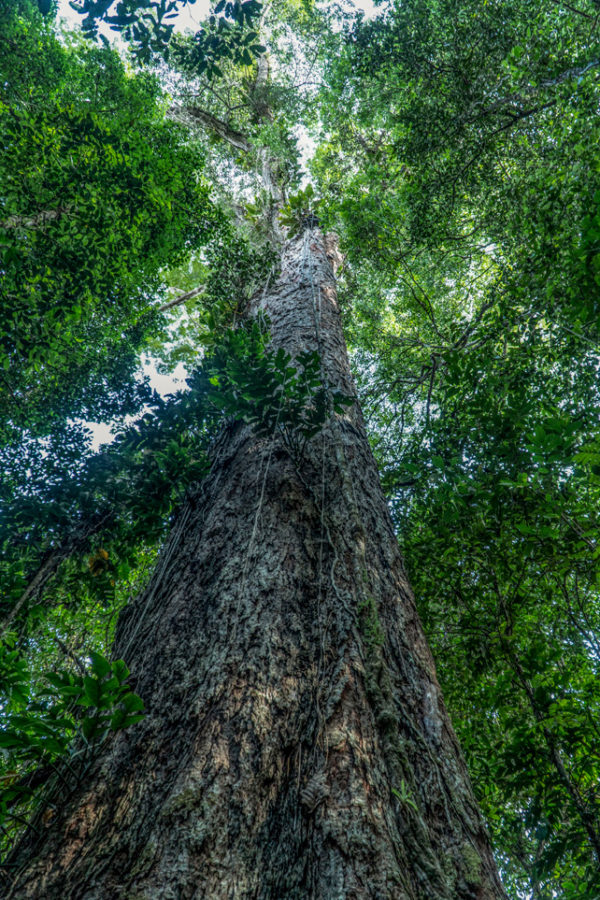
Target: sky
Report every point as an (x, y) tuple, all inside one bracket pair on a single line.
[(191, 15)]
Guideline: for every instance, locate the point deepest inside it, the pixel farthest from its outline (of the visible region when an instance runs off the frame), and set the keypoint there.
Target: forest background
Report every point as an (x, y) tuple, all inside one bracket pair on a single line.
[(456, 155)]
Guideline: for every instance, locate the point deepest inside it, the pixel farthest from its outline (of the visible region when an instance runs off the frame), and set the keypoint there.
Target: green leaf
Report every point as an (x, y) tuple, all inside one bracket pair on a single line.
[(100, 665), (93, 690)]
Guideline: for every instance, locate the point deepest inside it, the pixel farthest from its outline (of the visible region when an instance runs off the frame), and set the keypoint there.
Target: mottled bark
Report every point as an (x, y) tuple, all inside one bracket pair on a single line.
[(296, 744)]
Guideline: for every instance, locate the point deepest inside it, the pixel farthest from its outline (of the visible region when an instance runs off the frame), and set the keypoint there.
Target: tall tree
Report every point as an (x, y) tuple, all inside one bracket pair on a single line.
[(277, 644), (295, 741)]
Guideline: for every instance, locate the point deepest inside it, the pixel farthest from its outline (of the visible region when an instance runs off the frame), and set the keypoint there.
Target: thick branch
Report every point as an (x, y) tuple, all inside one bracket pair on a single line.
[(35, 220), (571, 73), (181, 299), (212, 123)]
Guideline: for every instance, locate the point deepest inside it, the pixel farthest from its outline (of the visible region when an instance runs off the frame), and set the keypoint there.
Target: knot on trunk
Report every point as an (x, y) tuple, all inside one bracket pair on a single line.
[(315, 792)]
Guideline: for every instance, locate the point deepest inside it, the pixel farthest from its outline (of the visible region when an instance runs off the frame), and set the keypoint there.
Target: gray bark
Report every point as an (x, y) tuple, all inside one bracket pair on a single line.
[(296, 743)]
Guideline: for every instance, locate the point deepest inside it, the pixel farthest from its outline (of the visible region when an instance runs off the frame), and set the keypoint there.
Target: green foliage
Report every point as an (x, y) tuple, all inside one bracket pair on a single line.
[(589, 455), (53, 728), (236, 269), (404, 795), (269, 390), (122, 496), (457, 157), (300, 212), (98, 194), (220, 280), (229, 34), (147, 25)]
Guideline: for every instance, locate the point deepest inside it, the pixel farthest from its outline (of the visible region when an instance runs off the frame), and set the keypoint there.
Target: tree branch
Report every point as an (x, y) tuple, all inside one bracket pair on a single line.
[(573, 9), (212, 123), (571, 73), (35, 219), (181, 299)]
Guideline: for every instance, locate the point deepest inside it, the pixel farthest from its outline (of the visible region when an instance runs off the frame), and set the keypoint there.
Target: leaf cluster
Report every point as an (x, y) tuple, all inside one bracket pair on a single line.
[(147, 26), (270, 391), (98, 194), (300, 212), (48, 733)]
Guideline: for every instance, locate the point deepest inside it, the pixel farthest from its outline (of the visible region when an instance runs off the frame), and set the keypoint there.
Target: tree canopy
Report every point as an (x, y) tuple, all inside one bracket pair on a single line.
[(455, 153)]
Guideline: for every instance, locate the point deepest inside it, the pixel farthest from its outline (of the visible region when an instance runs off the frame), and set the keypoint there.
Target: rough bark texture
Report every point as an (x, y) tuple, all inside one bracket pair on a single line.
[(296, 744)]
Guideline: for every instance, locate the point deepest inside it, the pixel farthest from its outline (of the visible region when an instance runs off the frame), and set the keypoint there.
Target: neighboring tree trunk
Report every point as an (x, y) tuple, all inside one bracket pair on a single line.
[(296, 744)]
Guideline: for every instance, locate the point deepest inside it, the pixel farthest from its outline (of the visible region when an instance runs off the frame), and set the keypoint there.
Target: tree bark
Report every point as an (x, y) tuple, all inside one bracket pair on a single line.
[(296, 744)]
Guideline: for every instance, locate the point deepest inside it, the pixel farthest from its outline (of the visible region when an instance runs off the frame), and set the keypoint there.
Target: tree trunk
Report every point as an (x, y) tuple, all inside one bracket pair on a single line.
[(296, 744)]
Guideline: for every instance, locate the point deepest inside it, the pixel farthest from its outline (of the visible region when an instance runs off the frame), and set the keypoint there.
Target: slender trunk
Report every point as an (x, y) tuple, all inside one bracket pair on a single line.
[(51, 562), (296, 744)]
